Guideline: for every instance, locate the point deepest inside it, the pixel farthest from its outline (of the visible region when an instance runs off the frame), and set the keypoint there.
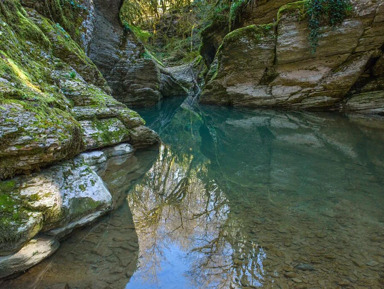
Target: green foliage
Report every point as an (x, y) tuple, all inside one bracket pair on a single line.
[(234, 12), (72, 75), (142, 35), (169, 29), (148, 55), (300, 6), (69, 13), (331, 12)]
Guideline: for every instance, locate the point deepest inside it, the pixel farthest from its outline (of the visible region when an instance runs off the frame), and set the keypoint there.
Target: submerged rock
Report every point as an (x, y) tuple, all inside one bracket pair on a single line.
[(304, 267)]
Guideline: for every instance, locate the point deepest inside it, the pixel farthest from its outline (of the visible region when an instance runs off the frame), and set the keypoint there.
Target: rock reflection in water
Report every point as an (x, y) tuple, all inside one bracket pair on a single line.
[(241, 199)]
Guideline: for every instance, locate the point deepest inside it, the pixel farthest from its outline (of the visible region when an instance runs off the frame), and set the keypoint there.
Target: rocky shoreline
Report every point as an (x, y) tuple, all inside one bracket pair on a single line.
[(54, 202), (55, 107)]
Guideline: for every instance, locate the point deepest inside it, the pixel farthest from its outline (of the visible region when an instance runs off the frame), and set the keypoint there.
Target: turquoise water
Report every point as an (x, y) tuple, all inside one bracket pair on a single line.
[(236, 199)]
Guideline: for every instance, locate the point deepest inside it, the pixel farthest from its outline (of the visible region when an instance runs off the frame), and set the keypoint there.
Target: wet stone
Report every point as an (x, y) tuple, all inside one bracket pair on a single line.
[(297, 280), (372, 263), (305, 267)]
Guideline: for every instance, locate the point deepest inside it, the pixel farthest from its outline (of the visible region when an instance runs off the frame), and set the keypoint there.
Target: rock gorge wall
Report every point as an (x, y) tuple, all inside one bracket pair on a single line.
[(135, 78), (269, 63), (54, 105)]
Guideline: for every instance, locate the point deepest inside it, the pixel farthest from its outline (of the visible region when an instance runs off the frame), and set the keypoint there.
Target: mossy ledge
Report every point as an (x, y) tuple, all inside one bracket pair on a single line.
[(46, 79)]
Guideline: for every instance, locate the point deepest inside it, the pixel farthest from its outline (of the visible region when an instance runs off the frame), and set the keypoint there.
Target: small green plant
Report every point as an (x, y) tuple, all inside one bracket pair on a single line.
[(331, 12), (146, 55), (72, 75)]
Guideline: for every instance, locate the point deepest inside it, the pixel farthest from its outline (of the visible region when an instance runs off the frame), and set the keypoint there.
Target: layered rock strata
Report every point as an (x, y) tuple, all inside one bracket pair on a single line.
[(271, 63)]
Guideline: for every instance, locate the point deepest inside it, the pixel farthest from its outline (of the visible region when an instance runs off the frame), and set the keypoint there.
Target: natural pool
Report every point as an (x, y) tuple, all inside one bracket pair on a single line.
[(236, 199)]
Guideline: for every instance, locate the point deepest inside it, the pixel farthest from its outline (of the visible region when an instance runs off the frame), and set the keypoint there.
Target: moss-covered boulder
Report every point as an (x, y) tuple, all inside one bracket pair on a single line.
[(51, 199), (32, 137), (54, 104)]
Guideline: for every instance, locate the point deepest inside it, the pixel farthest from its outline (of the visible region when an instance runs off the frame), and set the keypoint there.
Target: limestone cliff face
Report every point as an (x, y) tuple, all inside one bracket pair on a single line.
[(54, 105), (270, 64), (135, 78)]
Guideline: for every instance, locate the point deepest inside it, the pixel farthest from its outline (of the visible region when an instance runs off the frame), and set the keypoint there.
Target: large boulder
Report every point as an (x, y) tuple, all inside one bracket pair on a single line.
[(41, 209), (32, 137), (32, 253)]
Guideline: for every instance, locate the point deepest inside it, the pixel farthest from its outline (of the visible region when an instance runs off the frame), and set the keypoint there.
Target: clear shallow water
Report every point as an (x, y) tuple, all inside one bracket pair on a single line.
[(236, 199)]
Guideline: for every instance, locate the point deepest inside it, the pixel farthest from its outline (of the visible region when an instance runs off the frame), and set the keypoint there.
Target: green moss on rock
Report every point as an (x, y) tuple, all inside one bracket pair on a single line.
[(255, 32), (294, 7)]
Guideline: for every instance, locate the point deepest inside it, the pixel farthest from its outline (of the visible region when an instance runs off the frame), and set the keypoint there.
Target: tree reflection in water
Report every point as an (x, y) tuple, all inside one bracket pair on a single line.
[(245, 199), (178, 211)]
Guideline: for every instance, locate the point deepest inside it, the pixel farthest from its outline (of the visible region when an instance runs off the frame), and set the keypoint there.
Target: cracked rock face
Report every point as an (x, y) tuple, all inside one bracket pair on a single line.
[(268, 65)]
